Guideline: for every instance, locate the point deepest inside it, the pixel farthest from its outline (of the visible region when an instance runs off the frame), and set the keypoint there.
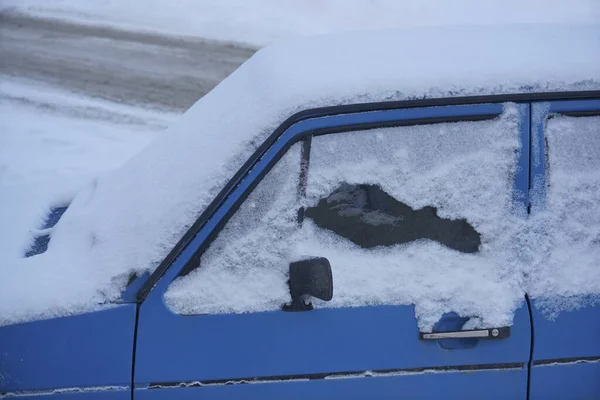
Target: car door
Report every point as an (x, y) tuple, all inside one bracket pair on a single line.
[(404, 203), (565, 290)]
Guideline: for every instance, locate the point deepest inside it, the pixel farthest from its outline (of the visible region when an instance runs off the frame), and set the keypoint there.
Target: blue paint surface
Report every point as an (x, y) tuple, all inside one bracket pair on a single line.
[(93, 349), (55, 214), (521, 184), (129, 295), (453, 322), (451, 386), (40, 244), (580, 381), (174, 348), (571, 334), (87, 394)]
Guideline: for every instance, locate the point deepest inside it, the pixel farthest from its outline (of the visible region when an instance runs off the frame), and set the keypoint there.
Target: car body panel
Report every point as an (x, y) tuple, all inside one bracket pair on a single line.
[(572, 334), (566, 354), (96, 393), (448, 385), (243, 346), (87, 350), (573, 381)]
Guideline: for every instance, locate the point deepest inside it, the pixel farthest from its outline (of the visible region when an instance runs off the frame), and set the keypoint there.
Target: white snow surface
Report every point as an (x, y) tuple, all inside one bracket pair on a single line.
[(263, 22), (128, 219), (52, 143), (567, 262)]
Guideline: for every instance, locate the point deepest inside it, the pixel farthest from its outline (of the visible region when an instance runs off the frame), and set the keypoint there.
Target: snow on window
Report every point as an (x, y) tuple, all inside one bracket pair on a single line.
[(246, 267), (456, 177), (462, 170), (567, 232)]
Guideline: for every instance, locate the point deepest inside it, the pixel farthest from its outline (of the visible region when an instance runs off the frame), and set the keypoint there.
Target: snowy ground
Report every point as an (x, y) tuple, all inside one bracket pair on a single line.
[(261, 22)]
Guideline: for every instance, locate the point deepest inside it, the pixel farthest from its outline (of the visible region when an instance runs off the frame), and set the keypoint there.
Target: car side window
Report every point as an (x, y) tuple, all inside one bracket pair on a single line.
[(570, 222), (405, 215)]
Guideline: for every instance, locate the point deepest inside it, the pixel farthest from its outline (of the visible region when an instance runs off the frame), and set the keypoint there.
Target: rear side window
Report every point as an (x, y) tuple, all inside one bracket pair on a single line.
[(573, 147), (569, 227), (405, 215)]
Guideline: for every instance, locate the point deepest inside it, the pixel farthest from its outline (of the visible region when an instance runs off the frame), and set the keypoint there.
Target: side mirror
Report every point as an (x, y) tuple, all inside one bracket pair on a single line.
[(310, 277)]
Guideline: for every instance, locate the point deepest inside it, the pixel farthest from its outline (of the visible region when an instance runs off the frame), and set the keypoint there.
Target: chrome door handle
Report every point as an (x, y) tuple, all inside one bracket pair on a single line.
[(492, 333)]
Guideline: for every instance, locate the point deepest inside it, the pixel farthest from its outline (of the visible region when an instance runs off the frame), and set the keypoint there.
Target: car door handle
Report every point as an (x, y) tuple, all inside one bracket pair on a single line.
[(492, 333)]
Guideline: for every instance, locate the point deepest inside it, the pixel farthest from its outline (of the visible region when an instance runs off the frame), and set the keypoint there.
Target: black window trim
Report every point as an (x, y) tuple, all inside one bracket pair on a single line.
[(323, 112)]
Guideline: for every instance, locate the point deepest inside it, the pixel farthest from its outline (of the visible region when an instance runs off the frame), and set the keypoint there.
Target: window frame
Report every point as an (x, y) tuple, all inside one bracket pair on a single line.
[(190, 257), (339, 118)]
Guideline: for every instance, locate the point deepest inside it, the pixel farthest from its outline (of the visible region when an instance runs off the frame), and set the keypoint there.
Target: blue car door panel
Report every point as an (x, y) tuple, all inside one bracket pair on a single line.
[(372, 351), (566, 350)]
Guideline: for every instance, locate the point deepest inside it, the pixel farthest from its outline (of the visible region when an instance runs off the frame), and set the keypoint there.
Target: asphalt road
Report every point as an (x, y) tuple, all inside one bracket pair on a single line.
[(168, 73)]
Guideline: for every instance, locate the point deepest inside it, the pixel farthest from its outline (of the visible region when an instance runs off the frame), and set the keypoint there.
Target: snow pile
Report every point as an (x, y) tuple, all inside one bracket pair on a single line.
[(568, 231), (465, 170), (127, 221), (268, 21), (52, 142)]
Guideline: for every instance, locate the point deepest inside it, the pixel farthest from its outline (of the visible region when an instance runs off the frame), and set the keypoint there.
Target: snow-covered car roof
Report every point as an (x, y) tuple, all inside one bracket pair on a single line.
[(128, 220)]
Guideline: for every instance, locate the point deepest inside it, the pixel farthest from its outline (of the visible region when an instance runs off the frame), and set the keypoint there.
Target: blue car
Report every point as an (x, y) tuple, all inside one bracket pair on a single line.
[(349, 244)]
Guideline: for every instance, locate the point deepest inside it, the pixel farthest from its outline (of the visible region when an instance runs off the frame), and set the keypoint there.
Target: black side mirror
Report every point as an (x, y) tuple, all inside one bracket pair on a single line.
[(310, 277)]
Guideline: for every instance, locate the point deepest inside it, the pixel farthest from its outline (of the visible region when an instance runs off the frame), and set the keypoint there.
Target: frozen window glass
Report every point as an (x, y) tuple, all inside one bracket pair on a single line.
[(406, 215), (568, 230), (418, 215), (246, 267)]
